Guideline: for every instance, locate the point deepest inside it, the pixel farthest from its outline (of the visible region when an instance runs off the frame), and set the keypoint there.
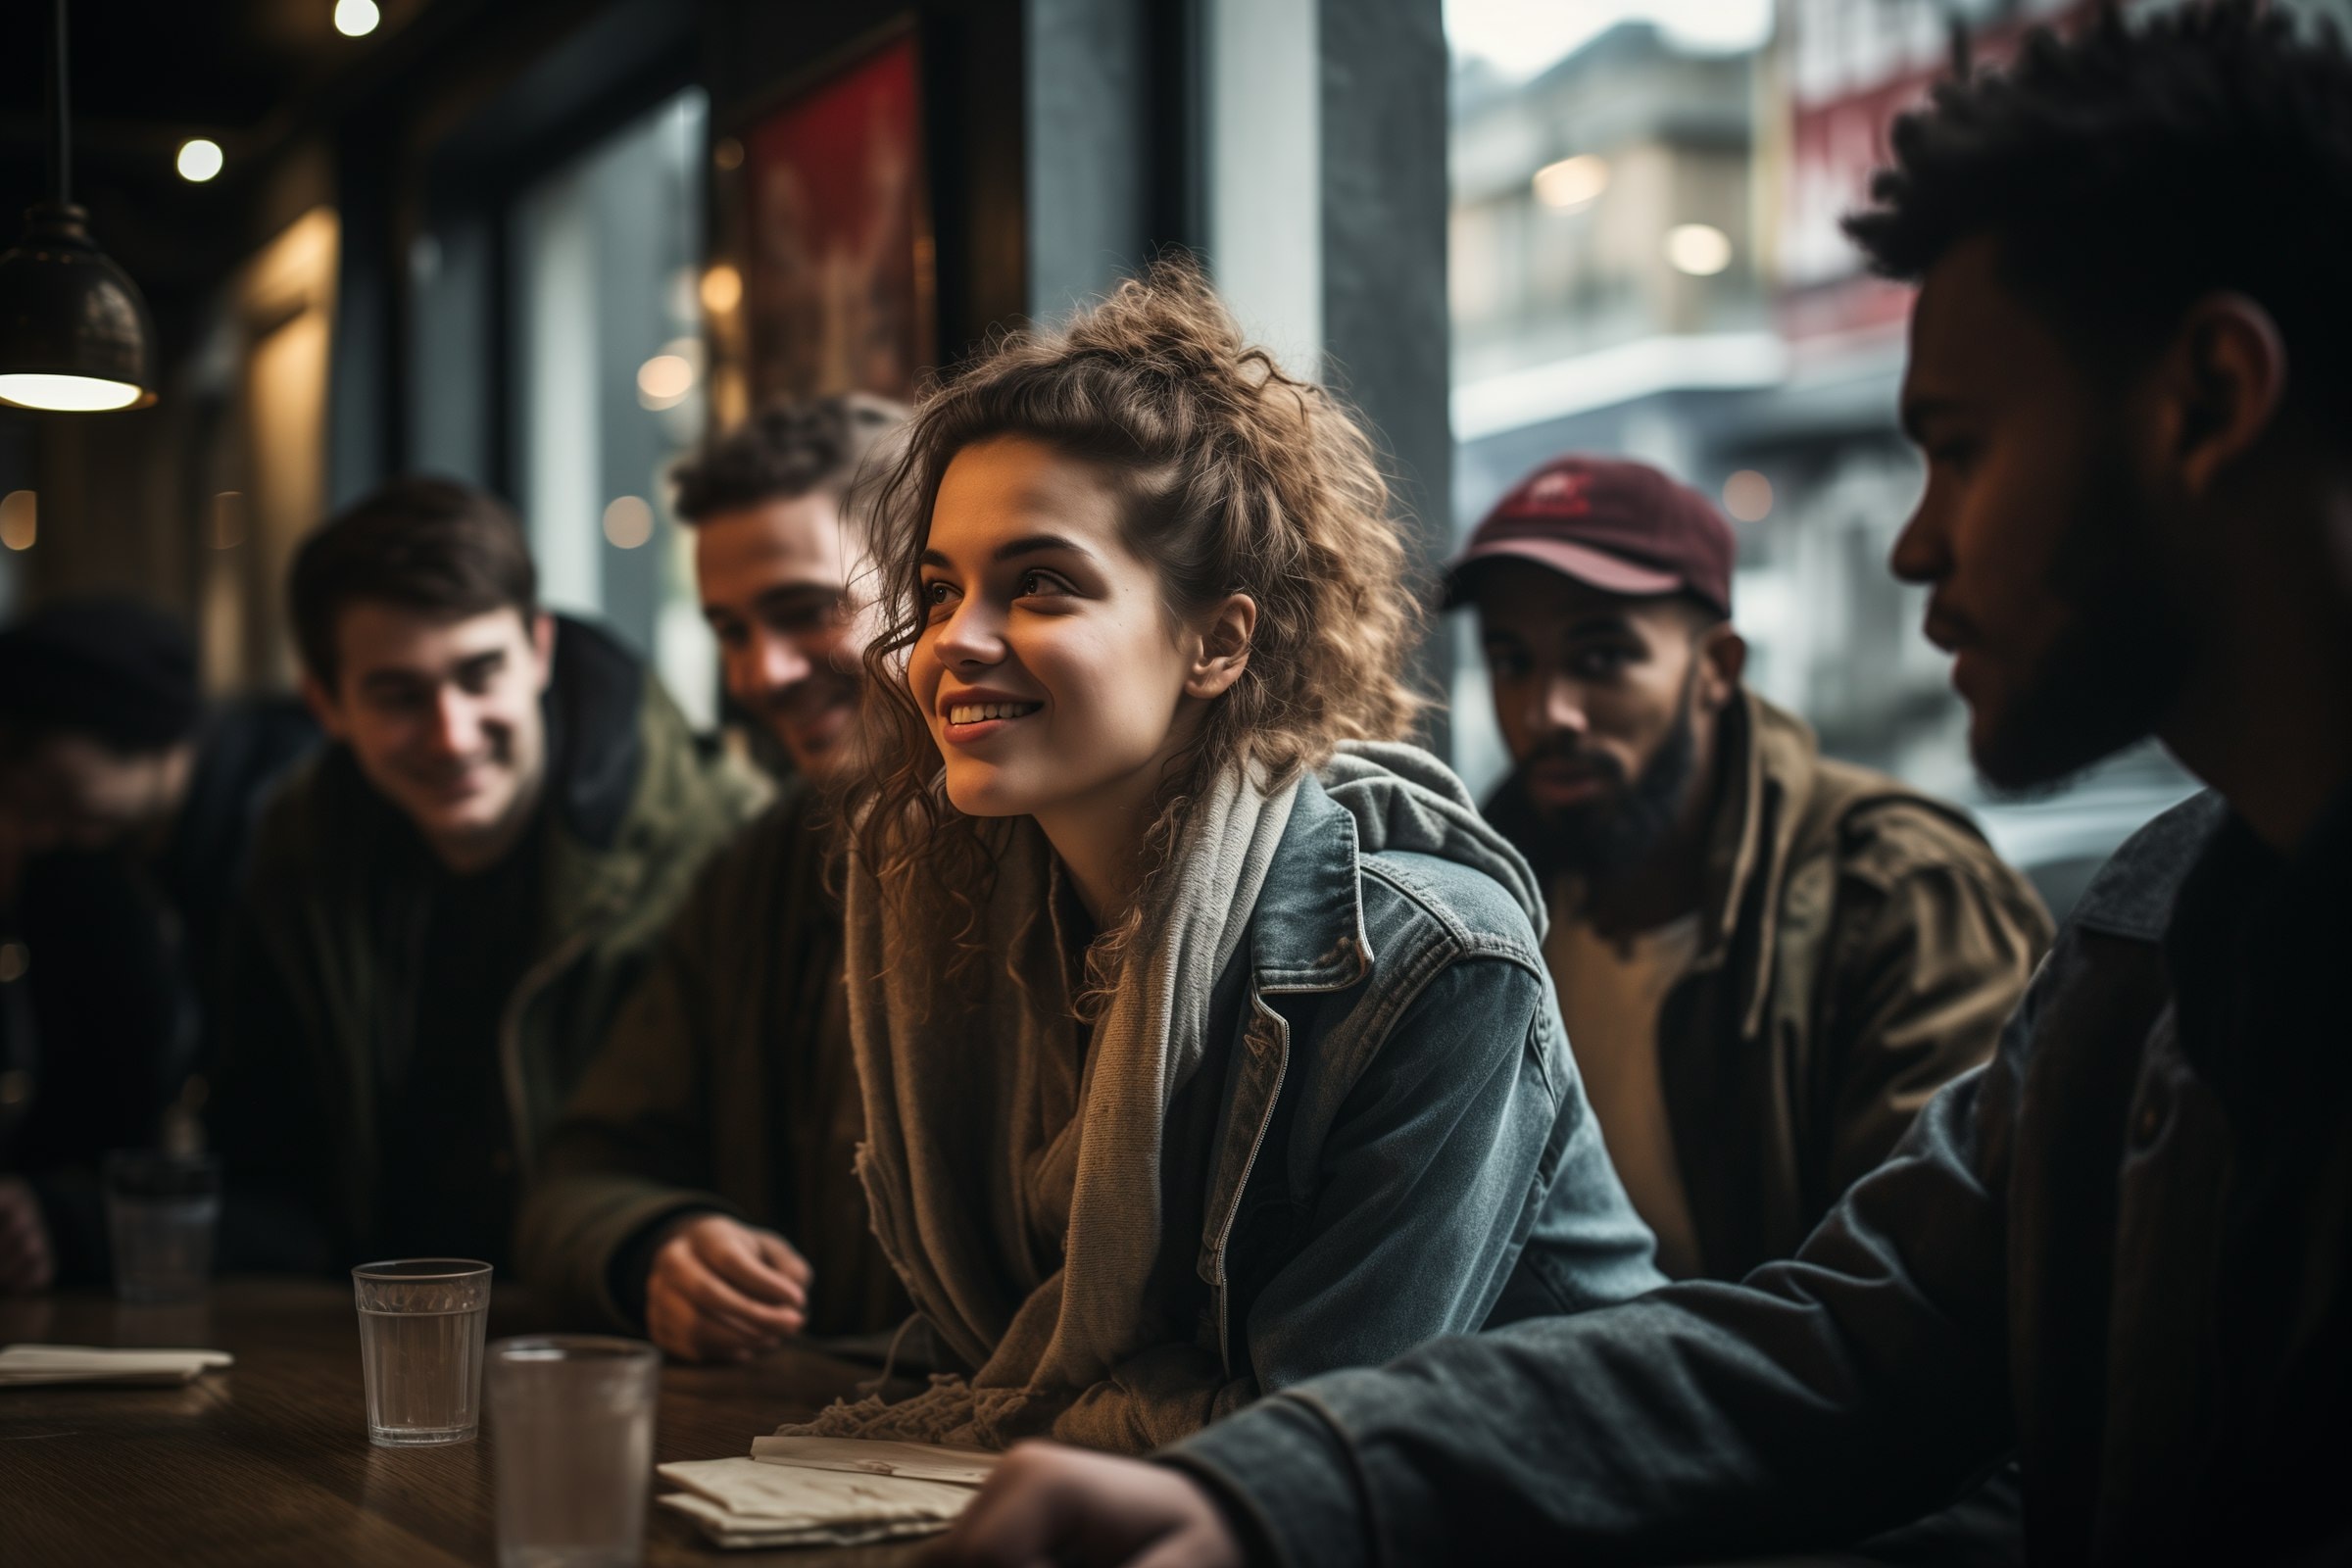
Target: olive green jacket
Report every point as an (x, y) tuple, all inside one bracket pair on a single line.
[(324, 965), (1861, 945), (726, 1084)]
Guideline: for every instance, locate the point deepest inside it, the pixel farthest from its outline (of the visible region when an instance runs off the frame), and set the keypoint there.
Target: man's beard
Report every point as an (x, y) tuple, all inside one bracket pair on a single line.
[(2111, 675), (1598, 841)]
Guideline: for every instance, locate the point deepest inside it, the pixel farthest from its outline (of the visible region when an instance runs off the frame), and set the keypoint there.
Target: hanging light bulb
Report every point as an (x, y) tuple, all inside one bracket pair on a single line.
[(74, 329)]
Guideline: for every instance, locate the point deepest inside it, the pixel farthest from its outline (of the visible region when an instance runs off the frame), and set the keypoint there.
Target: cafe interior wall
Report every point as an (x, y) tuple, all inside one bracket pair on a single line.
[(308, 354)]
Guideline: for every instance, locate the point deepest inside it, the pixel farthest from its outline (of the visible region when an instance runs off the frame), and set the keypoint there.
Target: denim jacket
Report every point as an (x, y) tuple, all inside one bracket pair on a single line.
[(1388, 1119), (2080, 1250)]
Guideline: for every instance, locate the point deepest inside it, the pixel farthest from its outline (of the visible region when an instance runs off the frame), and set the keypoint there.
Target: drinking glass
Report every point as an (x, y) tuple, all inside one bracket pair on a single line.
[(421, 1347), (571, 1444), (160, 1212)]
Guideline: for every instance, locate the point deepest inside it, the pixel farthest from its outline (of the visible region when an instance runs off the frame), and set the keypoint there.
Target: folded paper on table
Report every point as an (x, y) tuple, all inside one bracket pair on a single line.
[(724, 1529), (826, 1492), (31, 1365), (916, 1461)]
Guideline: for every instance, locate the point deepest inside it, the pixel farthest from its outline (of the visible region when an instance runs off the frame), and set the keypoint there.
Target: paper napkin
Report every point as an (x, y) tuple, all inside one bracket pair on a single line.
[(826, 1492), (28, 1365)]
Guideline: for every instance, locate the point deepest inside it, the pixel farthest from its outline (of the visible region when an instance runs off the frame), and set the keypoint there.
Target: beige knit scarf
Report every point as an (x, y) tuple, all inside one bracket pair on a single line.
[(981, 1129)]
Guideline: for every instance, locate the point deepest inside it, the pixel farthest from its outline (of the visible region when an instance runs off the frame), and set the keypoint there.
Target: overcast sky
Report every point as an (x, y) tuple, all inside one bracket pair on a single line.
[(1520, 37)]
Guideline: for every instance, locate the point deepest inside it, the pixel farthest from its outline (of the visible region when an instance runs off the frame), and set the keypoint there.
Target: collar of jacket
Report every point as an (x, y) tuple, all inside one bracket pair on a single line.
[(1308, 930), (1764, 774)]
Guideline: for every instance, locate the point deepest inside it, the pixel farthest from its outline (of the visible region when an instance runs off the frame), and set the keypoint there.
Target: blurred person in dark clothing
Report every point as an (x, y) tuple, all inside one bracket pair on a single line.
[(448, 903), (1768, 960), (700, 1187), (2120, 1246), (126, 807)]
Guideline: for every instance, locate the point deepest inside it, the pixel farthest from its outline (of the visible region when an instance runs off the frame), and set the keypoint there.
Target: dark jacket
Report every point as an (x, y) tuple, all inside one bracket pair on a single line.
[(326, 966), (111, 998), (726, 1084), (2120, 1246), (1861, 947)]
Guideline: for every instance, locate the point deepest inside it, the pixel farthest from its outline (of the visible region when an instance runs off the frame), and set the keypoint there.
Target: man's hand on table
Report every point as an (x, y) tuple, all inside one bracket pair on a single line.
[(721, 1290), (26, 1261), (1047, 1503)]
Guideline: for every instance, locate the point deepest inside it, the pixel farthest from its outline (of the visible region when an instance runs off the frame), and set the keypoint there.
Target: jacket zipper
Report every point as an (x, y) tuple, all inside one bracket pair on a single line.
[(1233, 1209)]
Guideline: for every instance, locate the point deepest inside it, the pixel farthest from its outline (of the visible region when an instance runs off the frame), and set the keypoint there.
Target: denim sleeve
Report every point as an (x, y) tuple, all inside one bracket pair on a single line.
[(1437, 1168), (1856, 1385), (1465, 1130)]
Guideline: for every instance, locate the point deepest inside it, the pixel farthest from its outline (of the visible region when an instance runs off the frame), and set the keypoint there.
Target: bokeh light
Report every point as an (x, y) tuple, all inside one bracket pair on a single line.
[(1699, 249), (1747, 496), (628, 523), (1571, 181), (199, 159)]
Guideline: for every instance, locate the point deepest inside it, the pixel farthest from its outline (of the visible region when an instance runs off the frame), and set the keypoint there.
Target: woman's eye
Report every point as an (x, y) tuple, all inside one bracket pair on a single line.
[(1035, 583), (936, 596)]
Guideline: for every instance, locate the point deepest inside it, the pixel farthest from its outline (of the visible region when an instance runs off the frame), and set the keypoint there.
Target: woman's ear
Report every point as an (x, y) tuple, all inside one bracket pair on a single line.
[(1224, 651)]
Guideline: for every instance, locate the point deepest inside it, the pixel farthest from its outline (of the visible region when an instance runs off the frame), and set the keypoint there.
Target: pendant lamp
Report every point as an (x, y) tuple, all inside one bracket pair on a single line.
[(75, 334)]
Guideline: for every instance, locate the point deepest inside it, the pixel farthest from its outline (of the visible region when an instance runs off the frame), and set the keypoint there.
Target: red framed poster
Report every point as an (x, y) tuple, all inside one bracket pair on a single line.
[(837, 288)]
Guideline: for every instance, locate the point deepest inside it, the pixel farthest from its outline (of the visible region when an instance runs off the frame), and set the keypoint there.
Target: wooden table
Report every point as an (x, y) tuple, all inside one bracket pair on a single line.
[(270, 1462)]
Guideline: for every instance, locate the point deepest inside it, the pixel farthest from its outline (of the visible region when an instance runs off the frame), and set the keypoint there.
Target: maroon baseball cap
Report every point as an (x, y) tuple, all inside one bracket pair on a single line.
[(1621, 527)]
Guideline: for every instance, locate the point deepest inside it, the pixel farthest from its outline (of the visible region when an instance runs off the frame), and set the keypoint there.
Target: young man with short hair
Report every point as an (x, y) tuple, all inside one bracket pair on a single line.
[(700, 1187), (1768, 960), (126, 802), (2120, 1246), (449, 903)]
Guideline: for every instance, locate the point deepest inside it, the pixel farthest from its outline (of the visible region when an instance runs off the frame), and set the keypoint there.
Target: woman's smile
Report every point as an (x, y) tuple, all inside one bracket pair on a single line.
[(969, 718)]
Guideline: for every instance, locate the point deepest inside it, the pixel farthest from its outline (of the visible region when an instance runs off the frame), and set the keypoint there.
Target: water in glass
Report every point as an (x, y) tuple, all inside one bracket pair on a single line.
[(420, 1349)]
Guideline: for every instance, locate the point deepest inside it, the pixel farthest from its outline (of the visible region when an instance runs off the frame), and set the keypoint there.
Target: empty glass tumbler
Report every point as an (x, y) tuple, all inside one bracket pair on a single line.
[(572, 1444), (421, 1347), (161, 1210)]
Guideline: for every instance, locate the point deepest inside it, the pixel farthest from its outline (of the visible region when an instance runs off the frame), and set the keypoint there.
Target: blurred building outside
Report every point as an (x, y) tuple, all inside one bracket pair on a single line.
[(1645, 259)]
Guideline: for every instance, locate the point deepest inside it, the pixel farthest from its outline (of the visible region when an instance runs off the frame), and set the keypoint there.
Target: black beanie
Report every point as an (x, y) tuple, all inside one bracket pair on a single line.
[(113, 668)]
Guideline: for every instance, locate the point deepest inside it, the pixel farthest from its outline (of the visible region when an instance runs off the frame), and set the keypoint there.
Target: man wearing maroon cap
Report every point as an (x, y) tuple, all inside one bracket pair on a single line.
[(1767, 960)]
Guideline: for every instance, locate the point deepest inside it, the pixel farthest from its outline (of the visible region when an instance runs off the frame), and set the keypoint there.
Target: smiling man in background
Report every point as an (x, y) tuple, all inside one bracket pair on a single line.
[(447, 905), (700, 1187), (1767, 960)]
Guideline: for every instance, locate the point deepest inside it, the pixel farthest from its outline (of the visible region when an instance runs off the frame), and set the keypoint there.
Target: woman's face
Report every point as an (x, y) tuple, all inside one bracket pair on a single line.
[(1049, 669)]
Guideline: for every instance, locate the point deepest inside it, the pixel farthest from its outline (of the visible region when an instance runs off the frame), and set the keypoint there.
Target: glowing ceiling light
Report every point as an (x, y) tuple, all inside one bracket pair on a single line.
[(67, 394), (357, 19), (1571, 181), (1699, 249), (199, 159)]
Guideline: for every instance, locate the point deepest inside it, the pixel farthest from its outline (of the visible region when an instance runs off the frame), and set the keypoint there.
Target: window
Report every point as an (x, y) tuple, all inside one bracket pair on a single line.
[(610, 384)]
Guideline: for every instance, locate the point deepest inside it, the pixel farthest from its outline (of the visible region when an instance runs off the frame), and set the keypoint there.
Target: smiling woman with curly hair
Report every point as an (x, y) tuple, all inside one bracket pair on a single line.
[(1203, 1033)]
